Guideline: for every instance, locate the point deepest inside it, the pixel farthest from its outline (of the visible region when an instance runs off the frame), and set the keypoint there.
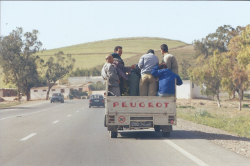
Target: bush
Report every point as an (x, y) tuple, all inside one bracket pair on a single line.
[(203, 113), (98, 86), (187, 107), (77, 94), (245, 105)]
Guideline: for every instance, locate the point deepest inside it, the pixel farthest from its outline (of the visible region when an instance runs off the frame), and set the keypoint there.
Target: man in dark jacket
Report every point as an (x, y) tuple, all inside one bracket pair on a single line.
[(120, 68), (166, 80)]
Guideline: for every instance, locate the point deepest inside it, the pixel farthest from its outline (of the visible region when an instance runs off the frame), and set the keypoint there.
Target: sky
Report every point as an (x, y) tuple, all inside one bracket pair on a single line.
[(64, 23)]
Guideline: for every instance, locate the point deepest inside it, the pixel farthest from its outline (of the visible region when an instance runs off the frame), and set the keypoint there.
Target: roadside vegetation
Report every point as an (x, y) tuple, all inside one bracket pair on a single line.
[(9, 104), (222, 118)]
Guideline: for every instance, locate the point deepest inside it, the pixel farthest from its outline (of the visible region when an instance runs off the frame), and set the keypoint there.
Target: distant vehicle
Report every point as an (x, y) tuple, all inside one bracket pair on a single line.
[(96, 100), (57, 97)]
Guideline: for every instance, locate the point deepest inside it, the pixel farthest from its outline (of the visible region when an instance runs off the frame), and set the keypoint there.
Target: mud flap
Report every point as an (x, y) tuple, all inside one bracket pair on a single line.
[(167, 128)]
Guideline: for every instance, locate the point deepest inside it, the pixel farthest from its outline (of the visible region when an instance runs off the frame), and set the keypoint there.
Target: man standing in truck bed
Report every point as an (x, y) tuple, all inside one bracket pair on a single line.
[(169, 59)]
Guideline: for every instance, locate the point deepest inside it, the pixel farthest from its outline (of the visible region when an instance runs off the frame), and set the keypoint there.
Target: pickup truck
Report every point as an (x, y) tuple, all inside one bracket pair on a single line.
[(139, 112)]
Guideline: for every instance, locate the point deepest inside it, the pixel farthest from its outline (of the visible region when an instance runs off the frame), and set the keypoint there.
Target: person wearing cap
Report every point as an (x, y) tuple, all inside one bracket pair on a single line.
[(148, 83), (166, 80), (121, 69), (169, 59), (109, 71)]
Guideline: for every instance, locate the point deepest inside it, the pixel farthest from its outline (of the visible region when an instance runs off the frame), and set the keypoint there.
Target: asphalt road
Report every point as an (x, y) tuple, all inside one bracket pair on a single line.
[(71, 134)]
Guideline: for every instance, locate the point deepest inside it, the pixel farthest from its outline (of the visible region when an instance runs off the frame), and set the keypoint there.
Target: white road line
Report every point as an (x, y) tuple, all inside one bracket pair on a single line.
[(29, 136), (56, 121), (30, 113), (69, 115), (187, 154), (77, 111)]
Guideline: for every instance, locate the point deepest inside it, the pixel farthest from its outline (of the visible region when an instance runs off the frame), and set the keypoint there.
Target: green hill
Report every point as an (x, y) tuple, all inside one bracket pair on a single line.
[(93, 54)]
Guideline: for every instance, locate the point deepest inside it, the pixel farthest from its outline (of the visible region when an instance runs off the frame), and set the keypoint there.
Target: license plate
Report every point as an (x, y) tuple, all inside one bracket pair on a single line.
[(141, 124), (96, 100)]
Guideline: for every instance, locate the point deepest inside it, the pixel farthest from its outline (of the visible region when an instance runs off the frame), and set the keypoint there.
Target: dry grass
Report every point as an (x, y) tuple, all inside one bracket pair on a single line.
[(227, 117)]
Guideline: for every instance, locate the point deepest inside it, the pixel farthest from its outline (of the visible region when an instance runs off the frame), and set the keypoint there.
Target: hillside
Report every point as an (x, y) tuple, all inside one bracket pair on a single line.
[(93, 54)]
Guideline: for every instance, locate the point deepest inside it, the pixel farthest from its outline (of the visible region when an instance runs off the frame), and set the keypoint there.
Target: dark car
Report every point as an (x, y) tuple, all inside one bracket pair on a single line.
[(57, 97), (96, 100)]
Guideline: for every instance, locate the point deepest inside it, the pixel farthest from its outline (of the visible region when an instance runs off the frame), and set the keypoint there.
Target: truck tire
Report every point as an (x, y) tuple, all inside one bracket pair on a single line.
[(157, 129), (105, 121), (166, 134), (89, 106), (113, 134)]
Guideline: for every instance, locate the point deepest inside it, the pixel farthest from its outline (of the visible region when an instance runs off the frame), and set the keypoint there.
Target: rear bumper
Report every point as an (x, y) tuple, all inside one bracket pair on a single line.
[(96, 104)]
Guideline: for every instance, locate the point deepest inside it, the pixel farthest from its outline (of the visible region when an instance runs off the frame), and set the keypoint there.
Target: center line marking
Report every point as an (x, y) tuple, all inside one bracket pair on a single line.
[(56, 121), (29, 136), (185, 153), (69, 115)]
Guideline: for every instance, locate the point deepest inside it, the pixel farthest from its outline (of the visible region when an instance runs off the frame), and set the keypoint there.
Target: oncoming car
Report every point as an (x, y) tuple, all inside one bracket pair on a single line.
[(96, 100), (57, 97)]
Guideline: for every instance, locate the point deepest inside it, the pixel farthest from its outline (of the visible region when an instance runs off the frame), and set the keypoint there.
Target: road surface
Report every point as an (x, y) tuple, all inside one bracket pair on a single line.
[(71, 134)]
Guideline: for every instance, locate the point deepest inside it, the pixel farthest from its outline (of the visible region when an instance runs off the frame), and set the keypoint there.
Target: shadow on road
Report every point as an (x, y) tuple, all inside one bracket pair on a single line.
[(179, 134), (140, 135)]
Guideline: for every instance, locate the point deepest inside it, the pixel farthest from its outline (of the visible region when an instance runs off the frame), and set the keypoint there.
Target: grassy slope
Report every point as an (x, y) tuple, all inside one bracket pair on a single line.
[(93, 54)]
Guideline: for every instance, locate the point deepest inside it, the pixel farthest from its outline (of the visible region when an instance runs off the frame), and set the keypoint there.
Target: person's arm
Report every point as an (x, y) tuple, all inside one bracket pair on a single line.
[(141, 63), (156, 72), (179, 81), (121, 73), (111, 73), (168, 62)]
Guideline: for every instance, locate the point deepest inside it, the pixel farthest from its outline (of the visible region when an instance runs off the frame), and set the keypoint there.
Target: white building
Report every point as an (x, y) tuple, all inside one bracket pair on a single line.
[(39, 93), (189, 90)]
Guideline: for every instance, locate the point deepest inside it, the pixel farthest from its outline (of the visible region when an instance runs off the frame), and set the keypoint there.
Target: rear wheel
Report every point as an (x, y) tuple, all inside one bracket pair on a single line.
[(89, 106), (105, 121), (51, 101), (113, 134), (157, 129)]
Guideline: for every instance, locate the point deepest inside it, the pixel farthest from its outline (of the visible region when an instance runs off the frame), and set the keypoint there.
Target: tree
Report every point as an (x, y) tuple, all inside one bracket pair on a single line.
[(85, 72), (216, 41), (17, 59), (239, 62), (56, 68), (97, 86), (206, 74), (184, 68)]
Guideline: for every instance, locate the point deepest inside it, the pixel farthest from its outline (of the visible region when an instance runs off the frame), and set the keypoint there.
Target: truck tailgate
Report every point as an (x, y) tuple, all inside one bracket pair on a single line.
[(140, 105)]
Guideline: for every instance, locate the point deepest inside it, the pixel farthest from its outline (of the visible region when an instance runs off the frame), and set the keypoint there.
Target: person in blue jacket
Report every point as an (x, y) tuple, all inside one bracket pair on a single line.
[(166, 80)]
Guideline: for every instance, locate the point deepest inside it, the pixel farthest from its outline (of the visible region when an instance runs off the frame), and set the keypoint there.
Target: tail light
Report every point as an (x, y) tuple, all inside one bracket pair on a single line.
[(171, 119), (111, 119), (90, 101), (103, 101)]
